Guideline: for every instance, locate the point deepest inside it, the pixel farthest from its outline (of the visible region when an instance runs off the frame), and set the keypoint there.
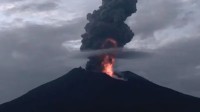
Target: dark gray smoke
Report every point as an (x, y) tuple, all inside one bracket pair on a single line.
[(108, 22)]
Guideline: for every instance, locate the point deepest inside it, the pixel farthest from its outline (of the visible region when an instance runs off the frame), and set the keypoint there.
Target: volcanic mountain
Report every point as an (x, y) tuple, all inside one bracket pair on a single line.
[(85, 91)]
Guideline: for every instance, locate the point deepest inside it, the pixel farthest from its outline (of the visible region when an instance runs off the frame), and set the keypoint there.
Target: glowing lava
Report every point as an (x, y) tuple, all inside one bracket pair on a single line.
[(108, 60), (108, 65)]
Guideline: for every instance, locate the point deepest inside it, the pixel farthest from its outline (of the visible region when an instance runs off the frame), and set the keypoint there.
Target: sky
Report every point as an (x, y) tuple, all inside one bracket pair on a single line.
[(38, 40)]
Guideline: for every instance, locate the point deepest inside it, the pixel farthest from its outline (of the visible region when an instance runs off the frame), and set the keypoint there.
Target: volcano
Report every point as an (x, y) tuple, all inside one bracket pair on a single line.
[(86, 91), (97, 88)]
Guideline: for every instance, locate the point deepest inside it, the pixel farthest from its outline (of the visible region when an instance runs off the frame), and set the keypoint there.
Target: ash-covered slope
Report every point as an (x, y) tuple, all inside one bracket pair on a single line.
[(83, 91)]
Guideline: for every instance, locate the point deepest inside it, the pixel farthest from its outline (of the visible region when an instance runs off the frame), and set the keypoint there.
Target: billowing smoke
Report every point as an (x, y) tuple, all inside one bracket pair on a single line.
[(108, 22)]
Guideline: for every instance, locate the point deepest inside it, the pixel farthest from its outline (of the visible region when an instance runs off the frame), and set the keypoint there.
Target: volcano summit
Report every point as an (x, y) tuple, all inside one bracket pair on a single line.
[(84, 91)]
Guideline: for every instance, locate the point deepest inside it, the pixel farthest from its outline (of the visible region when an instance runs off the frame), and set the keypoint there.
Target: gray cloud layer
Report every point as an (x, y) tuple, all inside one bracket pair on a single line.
[(174, 66), (45, 6), (32, 53), (156, 15)]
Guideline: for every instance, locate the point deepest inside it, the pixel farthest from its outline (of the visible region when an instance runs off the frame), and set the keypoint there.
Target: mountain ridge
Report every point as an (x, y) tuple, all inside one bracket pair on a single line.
[(81, 90)]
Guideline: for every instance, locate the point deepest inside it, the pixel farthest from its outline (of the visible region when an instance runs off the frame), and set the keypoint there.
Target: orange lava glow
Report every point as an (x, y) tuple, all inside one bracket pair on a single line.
[(108, 60), (108, 65)]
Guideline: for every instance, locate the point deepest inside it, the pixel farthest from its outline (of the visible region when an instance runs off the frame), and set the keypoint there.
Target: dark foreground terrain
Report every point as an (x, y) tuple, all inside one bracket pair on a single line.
[(84, 91)]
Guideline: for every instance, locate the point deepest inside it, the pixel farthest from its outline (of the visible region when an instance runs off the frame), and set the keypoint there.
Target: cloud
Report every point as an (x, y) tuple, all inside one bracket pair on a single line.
[(173, 66), (33, 54), (72, 44), (159, 23), (32, 7), (31, 42), (42, 12), (10, 1), (154, 15)]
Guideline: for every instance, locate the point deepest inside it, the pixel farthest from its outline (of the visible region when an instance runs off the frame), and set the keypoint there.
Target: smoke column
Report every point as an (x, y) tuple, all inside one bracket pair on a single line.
[(108, 22)]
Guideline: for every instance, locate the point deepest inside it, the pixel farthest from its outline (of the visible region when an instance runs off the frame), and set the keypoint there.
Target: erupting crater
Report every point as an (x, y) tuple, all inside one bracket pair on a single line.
[(108, 59)]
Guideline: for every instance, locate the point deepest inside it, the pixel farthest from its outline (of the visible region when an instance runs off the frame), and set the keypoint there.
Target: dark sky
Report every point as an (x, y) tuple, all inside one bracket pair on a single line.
[(38, 40)]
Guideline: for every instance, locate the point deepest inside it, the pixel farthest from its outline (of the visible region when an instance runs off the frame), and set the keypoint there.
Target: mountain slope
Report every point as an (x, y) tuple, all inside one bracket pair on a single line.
[(81, 90)]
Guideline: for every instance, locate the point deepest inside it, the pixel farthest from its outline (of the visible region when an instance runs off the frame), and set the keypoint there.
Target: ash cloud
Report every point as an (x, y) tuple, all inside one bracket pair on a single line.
[(108, 22)]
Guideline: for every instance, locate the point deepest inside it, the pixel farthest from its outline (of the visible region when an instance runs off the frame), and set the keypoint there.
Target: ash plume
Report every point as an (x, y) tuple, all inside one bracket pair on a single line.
[(108, 22)]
